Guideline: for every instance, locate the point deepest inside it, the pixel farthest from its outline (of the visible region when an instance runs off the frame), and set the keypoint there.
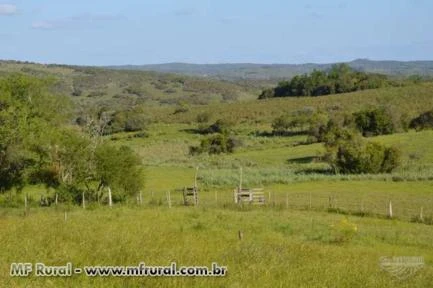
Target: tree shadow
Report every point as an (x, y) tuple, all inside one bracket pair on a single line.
[(278, 134), (304, 160), (192, 131), (309, 171)]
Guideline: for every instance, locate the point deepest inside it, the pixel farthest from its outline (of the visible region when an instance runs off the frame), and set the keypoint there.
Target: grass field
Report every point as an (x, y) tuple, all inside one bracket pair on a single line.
[(279, 248), (316, 229)]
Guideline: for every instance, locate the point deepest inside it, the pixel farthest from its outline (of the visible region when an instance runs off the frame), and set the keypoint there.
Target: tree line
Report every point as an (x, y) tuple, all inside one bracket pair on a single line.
[(343, 136), (341, 78)]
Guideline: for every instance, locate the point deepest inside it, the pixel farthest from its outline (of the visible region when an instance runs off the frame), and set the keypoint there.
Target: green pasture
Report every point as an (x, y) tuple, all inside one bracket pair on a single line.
[(278, 248)]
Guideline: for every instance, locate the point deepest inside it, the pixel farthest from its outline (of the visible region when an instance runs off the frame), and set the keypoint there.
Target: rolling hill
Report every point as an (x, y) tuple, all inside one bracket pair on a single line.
[(281, 71)]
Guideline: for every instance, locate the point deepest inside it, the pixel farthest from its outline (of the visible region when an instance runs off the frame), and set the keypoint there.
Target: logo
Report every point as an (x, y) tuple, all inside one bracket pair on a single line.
[(401, 267)]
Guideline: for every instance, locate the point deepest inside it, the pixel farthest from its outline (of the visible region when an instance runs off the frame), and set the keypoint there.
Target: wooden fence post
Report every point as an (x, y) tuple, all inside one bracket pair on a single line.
[(110, 198), (25, 204), (141, 198), (57, 198), (83, 200), (421, 216), (390, 209), (240, 179)]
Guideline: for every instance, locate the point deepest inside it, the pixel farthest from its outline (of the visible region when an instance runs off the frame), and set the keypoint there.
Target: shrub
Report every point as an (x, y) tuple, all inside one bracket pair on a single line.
[(374, 122), (220, 126), (182, 108), (300, 120), (343, 231), (281, 125), (216, 144), (203, 117), (357, 156), (423, 121)]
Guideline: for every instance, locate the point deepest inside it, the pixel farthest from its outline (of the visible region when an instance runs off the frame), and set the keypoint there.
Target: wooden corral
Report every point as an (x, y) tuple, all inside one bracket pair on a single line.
[(246, 195), (190, 196), (254, 196)]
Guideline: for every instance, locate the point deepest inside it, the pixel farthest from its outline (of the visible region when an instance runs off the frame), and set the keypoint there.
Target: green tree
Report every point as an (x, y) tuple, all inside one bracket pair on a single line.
[(119, 169)]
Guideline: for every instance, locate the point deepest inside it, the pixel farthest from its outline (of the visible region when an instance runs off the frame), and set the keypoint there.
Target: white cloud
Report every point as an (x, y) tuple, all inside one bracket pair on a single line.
[(8, 9), (79, 21), (42, 25)]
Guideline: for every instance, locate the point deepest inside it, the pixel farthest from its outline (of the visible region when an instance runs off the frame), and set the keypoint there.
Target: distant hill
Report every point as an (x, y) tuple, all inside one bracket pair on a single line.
[(125, 88), (235, 72)]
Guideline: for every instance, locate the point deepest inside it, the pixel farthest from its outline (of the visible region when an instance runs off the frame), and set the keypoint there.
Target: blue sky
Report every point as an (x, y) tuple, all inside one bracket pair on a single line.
[(96, 32)]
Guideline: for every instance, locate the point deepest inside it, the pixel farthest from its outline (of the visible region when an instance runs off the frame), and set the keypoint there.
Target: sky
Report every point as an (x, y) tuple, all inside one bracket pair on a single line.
[(96, 32)]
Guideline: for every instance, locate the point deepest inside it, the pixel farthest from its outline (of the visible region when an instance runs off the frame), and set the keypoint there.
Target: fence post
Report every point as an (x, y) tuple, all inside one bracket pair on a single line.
[(390, 209), (57, 197), (25, 204), (83, 200), (240, 179), (141, 198), (110, 198), (421, 216)]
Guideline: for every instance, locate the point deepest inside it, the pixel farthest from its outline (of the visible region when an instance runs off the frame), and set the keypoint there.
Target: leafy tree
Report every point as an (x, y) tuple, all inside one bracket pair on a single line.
[(28, 115), (374, 122), (120, 169), (423, 121), (348, 153), (340, 79), (220, 126), (216, 144), (38, 146)]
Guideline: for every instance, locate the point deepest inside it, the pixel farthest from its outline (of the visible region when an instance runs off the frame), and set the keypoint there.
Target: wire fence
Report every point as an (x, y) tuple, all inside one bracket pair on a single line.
[(383, 205), (403, 206)]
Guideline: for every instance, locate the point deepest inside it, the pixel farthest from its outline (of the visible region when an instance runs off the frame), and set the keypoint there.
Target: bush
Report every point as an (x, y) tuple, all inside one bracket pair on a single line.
[(203, 117), (220, 126), (343, 231), (281, 125), (423, 121), (374, 122), (300, 120), (183, 108), (216, 144), (356, 156)]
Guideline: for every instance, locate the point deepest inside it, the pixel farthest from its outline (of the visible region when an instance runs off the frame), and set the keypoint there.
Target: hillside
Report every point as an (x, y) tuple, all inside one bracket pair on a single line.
[(99, 86), (282, 71)]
